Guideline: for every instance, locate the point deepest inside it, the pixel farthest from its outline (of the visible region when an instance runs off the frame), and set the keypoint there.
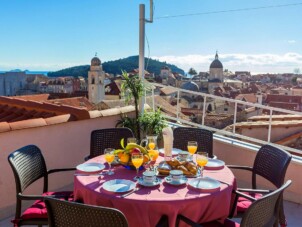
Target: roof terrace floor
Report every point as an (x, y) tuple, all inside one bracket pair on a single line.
[(293, 213)]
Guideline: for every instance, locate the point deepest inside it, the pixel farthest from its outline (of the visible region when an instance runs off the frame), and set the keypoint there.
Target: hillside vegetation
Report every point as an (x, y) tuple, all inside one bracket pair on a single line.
[(116, 67)]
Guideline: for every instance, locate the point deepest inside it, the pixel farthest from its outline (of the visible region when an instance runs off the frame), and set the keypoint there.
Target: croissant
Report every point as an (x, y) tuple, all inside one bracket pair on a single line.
[(174, 163), (184, 170)]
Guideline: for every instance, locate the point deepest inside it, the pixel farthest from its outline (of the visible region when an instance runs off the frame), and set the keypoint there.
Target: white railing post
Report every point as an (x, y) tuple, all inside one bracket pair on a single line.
[(270, 126), (204, 109), (177, 105), (153, 99), (235, 119)]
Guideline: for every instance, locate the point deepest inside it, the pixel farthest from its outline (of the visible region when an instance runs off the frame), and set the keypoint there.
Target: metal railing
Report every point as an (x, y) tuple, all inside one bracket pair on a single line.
[(206, 97)]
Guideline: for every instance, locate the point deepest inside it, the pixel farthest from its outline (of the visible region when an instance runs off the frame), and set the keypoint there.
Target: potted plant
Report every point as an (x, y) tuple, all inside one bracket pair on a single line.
[(147, 123)]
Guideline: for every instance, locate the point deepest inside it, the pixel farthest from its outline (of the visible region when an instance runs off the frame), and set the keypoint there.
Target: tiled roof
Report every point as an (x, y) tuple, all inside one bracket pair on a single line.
[(285, 105), (283, 98), (79, 102), (168, 90), (39, 97), (265, 124), (276, 118), (16, 109), (247, 98)]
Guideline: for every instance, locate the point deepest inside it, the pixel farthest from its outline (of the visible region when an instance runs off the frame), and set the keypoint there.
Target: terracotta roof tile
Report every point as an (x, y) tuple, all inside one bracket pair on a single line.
[(39, 97), (4, 127), (95, 114), (28, 124), (58, 119)]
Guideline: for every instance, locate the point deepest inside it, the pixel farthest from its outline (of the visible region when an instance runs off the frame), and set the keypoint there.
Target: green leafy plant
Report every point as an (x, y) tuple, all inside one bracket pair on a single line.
[(133, 87), (152, 122)]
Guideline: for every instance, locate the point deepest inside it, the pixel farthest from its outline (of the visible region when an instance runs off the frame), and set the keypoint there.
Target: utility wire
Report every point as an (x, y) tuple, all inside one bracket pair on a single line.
[(229, 11)]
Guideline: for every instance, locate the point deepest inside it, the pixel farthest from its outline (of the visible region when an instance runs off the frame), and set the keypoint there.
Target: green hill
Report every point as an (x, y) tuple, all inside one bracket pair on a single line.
[(115, 67)]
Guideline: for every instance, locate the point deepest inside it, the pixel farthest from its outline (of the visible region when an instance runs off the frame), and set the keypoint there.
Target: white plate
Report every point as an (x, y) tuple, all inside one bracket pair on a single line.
[(119, 185), (214, 164), (154, 183), (91, 167), (181, 182), (175, 151), (205, 184)]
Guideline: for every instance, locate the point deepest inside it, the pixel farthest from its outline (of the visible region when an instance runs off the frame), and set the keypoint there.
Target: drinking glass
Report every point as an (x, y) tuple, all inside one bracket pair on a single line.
[(137, 161), (153, 150), (202, 160), (131, 140), (192, 147), (109, 157), (153, 155)]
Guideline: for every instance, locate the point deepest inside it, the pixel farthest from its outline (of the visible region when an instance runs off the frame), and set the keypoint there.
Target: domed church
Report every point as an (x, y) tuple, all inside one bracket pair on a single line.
[(216, 74)]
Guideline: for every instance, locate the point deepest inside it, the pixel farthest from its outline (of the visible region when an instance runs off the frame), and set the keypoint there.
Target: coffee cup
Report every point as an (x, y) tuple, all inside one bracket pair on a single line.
[(183, 155), (149, 177), (176, 175)]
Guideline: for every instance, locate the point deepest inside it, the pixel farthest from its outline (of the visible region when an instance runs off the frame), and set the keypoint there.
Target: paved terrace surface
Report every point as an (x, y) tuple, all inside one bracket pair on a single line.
[(293, 213)]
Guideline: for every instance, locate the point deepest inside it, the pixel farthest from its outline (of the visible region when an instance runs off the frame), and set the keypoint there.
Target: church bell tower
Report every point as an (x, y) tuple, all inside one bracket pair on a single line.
[(96, 76)]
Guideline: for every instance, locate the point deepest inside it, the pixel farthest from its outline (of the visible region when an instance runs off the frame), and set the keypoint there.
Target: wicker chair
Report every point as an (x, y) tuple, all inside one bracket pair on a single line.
[(64, 213), (270, 163), (262, 213), (107, 138), (28, 166), (203, 137)]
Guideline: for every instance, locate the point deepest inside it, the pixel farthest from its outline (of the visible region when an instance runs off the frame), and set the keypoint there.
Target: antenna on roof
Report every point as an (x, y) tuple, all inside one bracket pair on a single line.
[(96, 54)]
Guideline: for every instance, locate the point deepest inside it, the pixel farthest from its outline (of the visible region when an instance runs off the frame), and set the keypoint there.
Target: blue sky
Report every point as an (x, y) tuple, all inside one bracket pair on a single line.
[(54, 34)]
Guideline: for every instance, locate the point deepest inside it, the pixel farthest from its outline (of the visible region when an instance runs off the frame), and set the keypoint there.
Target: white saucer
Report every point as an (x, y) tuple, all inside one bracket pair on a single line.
[(205, 184), (154, 183), (214, 164), (91, 167), (119, 185), (180, 182), (175, 151)]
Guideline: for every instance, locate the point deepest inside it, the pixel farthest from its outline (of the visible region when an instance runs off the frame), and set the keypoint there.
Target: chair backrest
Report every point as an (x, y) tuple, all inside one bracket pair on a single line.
[(28, 165), (271, 163), (203, 137), (264, 212), (64, 213), (107, 138)]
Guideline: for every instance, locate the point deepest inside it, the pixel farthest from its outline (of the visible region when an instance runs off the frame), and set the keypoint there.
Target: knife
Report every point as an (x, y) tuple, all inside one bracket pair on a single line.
[(129, 193)]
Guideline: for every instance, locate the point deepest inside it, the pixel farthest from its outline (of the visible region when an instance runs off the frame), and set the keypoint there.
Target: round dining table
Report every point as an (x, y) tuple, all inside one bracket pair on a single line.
[(146, 206)]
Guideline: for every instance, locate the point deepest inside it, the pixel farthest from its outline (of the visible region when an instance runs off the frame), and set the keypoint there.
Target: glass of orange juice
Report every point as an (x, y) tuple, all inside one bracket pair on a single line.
[(202, 160), (109, 157), (137, 161), (153, 155), (192, 147)]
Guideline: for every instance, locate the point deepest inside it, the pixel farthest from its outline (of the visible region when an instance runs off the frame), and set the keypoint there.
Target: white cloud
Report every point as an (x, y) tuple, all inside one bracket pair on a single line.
[(291, 41), (273, 63)]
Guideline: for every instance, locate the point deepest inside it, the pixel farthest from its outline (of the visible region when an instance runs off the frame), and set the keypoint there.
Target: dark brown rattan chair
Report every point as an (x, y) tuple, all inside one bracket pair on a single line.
[(203, 137), (262, 213), (28, 165), (107, 138), (271, 163), (71, 214)]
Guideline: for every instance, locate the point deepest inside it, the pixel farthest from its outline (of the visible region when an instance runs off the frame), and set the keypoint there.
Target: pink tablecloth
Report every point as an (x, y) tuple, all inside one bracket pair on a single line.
[(146, 206)]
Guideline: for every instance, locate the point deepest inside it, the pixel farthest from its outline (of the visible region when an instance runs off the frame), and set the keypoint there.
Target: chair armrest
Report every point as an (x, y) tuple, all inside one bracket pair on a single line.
[(186, 220), (87, 158), (245, 195), (29, 197), (60, 170), (240, 167), (263, 191), (38, 197)]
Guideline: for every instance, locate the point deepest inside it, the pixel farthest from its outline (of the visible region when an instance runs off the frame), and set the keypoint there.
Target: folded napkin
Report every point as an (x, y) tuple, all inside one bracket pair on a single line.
[(168, 142)]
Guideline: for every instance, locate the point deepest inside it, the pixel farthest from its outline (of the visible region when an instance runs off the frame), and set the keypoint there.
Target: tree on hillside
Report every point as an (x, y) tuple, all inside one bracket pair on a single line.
[(192, 71)]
